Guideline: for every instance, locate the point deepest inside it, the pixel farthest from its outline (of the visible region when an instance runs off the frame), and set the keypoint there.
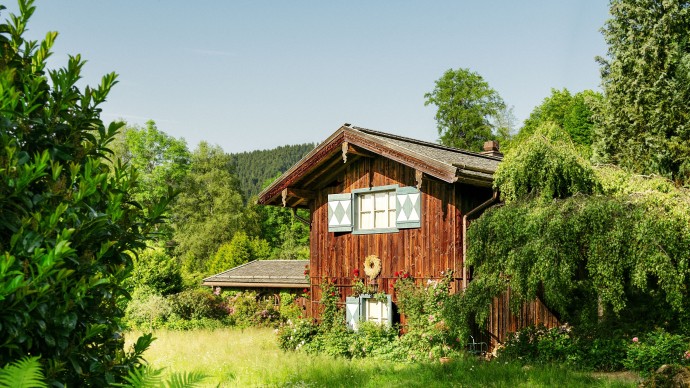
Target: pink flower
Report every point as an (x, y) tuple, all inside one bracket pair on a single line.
[(687, 355), (635, 339)]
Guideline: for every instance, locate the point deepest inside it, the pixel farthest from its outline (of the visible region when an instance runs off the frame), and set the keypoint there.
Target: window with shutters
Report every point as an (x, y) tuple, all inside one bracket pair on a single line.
[(382, 209)]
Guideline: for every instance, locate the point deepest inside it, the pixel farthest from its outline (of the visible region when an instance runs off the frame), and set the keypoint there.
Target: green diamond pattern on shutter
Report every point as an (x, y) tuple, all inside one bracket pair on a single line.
[(409, 208), (352, 312), (340, 213)]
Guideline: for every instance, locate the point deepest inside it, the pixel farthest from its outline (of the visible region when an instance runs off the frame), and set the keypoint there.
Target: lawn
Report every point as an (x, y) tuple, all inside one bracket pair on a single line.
[(248, 358)]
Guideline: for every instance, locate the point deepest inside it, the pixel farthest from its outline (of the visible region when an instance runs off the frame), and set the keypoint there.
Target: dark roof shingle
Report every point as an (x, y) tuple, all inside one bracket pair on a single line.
[(262, 273)]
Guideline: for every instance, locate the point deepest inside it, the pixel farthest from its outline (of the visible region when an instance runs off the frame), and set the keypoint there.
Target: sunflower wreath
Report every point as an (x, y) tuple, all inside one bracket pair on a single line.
[(372, 266)]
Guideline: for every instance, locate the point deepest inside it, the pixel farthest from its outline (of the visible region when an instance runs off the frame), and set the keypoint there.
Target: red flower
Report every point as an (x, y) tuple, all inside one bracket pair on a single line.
[(332, 293), (355, 272), (397, 274), (306, 271), (407, 275), (305, 291)]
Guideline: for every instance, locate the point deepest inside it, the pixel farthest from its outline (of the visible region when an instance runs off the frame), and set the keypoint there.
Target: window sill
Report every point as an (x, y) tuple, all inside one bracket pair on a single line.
[(376, 231)]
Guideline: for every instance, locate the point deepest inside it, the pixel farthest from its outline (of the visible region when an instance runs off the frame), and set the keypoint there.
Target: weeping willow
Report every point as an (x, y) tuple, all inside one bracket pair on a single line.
[(581, 237)]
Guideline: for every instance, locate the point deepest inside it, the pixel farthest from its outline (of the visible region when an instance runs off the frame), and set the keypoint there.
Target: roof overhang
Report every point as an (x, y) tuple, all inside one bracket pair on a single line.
[(296, 187)]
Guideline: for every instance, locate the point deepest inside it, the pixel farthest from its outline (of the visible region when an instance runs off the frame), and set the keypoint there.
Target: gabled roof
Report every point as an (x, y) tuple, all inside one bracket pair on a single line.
[(262, 273), (318, 168)]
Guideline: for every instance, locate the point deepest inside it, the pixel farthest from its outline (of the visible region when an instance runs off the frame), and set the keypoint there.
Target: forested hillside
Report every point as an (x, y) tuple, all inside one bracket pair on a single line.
[(253, 168)]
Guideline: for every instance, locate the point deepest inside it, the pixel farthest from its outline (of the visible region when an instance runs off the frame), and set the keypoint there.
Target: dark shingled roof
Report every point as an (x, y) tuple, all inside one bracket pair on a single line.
[(262, 273), (472, 162), (348, 143)]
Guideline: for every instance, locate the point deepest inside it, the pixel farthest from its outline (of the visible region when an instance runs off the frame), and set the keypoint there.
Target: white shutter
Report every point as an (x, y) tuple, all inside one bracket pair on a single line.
[(340, 213), (409, 208), (352, 312)]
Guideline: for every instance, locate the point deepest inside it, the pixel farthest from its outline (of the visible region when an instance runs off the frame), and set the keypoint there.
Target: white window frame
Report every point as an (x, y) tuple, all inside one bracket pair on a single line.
[(375, 208)]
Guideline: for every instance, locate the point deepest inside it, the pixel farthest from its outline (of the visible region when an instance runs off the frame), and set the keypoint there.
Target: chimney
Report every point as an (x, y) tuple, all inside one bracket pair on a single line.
[(491, 149)]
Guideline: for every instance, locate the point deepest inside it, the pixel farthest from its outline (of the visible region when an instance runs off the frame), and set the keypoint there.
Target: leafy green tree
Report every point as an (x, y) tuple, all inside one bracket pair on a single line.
[(240, 250), (287, 237), (155, 269), (467, 109), (68, 218), (585, 239), (209, 210), (646, 79), (162, 161), (573, 113)]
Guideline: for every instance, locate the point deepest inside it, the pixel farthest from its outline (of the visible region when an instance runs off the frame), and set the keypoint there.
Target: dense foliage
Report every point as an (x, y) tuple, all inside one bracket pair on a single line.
[(646, 80), (467, 109), (209, 209), (601, 239), (253, 168), (68, 218), (574, 113)]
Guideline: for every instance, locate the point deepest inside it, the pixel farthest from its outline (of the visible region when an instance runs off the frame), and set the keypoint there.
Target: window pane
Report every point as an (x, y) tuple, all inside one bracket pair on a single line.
[(366, 203), (381, 219), (365, 221), (381, 201), (391, 201), (391, 218)]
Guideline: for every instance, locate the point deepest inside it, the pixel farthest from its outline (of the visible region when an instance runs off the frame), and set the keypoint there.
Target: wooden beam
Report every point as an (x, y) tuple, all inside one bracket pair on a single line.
[(350, 149), (297, 193), (418, 176)]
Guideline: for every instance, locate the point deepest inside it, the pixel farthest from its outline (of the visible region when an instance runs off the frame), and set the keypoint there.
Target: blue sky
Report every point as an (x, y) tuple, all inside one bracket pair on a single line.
[(259, 74)]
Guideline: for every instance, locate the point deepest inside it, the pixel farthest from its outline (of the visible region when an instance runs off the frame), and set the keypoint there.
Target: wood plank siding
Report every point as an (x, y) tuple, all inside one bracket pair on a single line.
[(423, 252)]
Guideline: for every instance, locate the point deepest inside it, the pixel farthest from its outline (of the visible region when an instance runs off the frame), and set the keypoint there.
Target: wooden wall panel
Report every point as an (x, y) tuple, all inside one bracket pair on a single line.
[(424, 252)]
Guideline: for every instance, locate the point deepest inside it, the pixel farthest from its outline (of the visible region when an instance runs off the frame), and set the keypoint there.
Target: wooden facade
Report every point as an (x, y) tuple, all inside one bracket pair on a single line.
[(423, 252), (452, 183)]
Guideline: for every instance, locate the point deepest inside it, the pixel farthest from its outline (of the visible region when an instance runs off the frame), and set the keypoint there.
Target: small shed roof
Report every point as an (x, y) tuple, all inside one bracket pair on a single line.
[(318, 168), (262, 273)]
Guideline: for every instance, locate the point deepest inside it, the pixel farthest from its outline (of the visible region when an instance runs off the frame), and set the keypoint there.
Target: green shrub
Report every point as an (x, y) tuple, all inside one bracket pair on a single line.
[(155, 269), (68, 217), (537, 344), (197, 304), (246, 310), (649, 352), (147, 310), (289, 310), (599, 354), (293, 335)]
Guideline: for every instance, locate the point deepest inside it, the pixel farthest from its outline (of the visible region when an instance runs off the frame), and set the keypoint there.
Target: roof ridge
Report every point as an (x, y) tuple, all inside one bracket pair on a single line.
[(421, 142)]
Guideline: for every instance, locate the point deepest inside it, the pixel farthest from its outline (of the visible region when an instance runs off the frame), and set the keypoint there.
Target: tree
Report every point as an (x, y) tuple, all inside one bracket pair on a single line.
[(585, 239), (68, 218), (209, 209), (467, 108), (646, 79), (161, 160), (572, 112), (240, 250)]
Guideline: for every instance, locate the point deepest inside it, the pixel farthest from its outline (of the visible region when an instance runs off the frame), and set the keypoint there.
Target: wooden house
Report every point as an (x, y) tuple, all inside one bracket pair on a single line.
[(404, 202)]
